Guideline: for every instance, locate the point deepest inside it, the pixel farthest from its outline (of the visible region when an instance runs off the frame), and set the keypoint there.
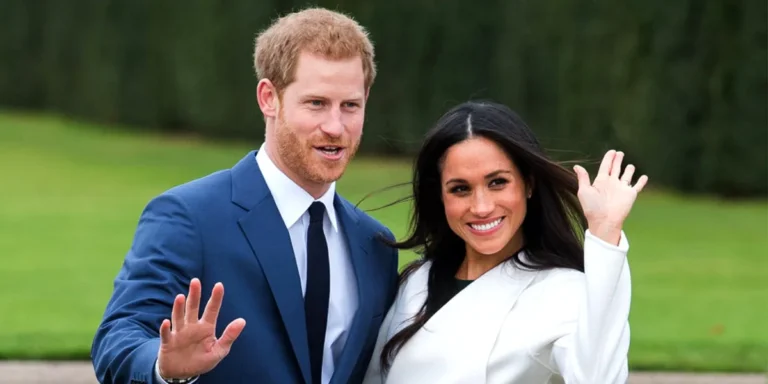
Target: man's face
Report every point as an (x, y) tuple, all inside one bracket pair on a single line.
[(320, 119)]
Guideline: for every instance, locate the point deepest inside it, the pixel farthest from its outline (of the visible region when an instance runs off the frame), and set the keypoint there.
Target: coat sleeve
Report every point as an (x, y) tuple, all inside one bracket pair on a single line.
[(597, 348), (375, 374), (165, 255), (389, 327)]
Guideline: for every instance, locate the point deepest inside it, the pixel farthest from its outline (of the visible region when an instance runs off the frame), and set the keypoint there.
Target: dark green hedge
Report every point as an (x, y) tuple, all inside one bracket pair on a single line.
[(681, 85)]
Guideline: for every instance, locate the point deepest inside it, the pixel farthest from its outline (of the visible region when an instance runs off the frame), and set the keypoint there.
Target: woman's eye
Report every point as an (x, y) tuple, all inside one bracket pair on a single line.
[(498, 182), (459, 189)]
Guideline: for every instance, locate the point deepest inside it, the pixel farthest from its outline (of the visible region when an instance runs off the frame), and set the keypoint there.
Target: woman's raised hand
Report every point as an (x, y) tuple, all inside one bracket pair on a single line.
[(607, 201)]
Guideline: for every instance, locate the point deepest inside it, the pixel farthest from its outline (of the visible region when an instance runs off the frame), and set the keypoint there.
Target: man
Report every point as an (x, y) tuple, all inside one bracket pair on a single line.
[(303, 268)]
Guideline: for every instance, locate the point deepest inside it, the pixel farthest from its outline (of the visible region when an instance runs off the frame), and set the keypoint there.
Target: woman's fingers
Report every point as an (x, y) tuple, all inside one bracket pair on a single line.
[(605, 165), (616, 166), (641, 183), (626, 178)]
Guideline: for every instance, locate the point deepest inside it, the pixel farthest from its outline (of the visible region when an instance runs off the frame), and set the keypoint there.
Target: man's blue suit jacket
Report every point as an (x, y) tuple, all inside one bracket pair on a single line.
[(225, 227)]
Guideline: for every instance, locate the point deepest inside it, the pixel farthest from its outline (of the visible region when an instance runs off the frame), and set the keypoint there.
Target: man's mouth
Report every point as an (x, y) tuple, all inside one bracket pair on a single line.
[(330, 152), (329, 149)]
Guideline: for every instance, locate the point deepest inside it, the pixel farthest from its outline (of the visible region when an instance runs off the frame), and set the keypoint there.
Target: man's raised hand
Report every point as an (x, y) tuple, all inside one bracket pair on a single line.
[(188, 345)]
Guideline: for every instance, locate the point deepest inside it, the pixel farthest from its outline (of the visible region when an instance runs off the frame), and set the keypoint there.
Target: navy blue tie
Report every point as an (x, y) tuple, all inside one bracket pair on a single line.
[(318, 289)]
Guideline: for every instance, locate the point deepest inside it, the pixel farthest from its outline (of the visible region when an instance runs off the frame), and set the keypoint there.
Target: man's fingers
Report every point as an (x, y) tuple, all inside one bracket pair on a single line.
[(231, 333), (177, 314), (605, 166), (193, 301), (165, 332), (214, 304)]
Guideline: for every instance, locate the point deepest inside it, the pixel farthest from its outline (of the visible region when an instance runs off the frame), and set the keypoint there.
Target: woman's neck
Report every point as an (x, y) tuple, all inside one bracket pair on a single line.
[(476, 264)]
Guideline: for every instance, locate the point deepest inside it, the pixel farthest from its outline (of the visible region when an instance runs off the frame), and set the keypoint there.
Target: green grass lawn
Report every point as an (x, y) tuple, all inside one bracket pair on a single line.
[(71, 196)]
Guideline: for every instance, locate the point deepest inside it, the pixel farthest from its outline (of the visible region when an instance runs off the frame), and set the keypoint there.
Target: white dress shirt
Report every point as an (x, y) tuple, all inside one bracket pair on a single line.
[(293, 204)]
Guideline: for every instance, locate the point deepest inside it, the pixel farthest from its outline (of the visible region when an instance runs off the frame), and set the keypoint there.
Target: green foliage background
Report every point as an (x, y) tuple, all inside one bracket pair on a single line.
[(680, 85)]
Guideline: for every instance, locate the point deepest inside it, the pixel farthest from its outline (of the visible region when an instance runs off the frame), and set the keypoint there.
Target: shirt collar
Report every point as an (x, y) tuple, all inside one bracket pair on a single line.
[(292, 201)]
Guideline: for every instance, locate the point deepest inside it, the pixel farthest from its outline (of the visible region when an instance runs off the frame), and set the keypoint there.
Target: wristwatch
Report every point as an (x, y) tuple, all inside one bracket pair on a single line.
[(180, 381)]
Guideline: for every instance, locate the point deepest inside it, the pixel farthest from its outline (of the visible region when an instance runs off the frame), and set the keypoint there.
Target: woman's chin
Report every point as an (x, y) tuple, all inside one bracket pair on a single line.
[(487, 249)]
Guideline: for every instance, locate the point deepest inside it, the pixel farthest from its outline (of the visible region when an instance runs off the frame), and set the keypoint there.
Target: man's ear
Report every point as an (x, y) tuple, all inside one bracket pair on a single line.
[(266, 94)]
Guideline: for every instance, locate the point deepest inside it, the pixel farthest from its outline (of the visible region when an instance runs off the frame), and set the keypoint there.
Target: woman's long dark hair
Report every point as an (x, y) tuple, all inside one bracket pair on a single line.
[(553, 227)]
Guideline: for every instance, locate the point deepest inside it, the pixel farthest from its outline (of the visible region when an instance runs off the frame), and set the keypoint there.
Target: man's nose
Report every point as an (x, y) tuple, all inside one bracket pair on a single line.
[(334, 126)]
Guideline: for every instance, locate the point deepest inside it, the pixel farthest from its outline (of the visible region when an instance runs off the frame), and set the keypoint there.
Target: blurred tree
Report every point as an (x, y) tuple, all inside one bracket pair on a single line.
[(681, 86)]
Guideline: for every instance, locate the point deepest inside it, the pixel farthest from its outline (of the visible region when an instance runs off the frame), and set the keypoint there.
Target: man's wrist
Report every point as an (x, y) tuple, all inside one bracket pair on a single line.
[(168, 380)]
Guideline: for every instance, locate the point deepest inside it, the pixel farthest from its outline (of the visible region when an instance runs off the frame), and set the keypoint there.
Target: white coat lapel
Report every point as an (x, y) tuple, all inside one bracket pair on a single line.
[(454, 345)]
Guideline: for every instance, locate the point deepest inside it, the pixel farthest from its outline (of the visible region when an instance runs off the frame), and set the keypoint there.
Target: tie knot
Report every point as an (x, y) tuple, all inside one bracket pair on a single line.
[(316, 211)]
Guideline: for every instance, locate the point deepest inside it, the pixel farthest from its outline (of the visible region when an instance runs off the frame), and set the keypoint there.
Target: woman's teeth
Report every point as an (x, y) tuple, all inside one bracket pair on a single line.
[(486, 226)]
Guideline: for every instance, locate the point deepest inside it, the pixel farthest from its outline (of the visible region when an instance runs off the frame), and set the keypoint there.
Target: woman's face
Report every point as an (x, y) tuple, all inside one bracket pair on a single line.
[(484, 197)]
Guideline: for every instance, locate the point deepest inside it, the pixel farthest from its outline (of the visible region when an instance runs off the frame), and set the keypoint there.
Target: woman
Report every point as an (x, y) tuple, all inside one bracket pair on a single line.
[(511, 286)]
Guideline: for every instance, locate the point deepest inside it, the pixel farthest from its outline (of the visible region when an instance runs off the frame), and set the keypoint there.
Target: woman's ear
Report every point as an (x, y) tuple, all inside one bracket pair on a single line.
[(529, 187)]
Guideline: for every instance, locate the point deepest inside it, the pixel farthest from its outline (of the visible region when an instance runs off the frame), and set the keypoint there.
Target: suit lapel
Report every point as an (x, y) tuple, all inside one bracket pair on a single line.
[(462, 334), (358, 333), (271, 244)]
